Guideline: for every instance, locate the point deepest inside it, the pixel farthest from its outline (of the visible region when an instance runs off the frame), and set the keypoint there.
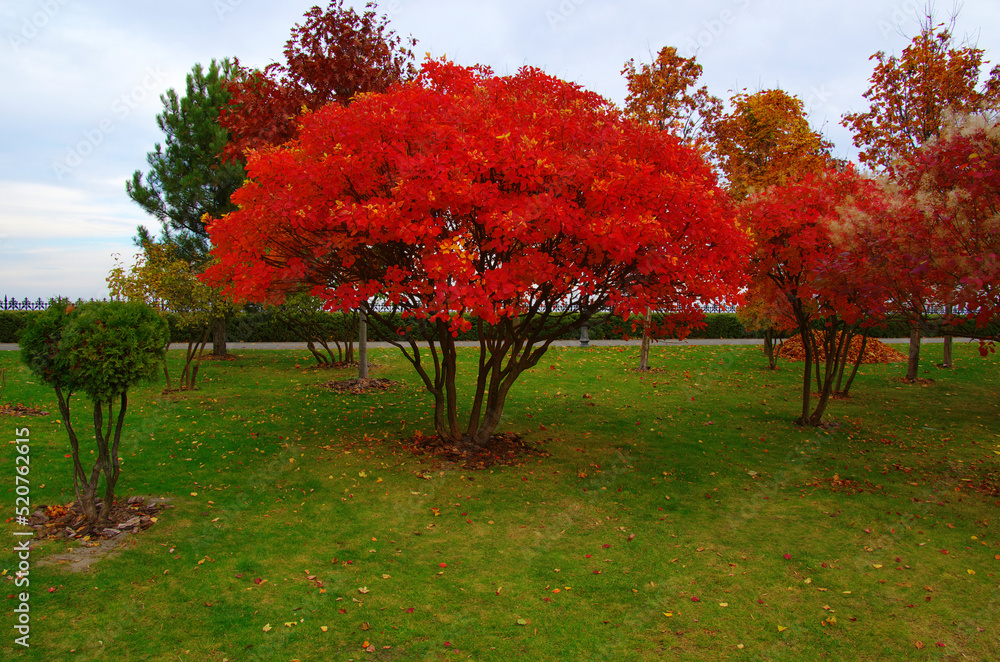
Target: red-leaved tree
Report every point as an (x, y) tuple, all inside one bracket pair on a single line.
[(518, 206), (952, 238), (334, 55), (807, 259)]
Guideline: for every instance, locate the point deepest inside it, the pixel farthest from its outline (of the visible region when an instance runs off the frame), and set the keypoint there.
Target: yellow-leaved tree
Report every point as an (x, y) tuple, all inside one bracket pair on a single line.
[(171, 286)]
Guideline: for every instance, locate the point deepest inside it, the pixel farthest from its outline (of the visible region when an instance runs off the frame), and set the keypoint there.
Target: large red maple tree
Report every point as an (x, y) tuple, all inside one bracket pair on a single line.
[(517, 205)]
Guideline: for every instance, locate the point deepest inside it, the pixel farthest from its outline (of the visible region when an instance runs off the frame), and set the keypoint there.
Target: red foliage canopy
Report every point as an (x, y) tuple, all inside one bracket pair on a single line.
[(331, 57), (954, 235), (495, 196)]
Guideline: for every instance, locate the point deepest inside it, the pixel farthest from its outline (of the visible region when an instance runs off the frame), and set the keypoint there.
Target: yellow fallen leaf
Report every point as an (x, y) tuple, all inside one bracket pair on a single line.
[(832, 620), (267, 628), (781, 628), (668, 614), (876, 565), (194, 494), (363, 474), (201, 561), (290, 624), (323, 628), (723, 604), (971, 572)]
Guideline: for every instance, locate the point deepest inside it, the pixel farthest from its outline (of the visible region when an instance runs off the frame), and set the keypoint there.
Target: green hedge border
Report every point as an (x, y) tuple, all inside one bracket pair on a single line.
[(265, 326)]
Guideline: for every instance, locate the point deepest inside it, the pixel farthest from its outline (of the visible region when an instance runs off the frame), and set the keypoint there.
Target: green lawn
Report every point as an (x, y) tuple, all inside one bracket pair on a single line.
[(657, 528)]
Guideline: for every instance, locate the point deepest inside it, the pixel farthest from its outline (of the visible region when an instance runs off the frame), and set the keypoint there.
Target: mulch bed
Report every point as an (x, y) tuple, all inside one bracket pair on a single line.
[(21, 410), (876, 351), (506, 449), (66, 521), (357, 386)]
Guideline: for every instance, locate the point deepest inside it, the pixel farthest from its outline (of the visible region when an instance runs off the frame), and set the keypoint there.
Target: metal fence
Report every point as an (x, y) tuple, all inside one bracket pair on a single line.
[(25, 304)]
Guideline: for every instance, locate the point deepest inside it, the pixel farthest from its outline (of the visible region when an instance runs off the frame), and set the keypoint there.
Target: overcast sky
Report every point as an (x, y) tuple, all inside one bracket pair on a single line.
[(81, 82)]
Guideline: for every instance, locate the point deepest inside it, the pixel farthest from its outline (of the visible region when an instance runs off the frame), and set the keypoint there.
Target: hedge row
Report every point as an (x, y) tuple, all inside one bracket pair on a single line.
[(266, 326)]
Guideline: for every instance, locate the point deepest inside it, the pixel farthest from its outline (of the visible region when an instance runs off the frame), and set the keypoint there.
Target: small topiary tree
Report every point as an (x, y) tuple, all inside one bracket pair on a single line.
[(101, 349)]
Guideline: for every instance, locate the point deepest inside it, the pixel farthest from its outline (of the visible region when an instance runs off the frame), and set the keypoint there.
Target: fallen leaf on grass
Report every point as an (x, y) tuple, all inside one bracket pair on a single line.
[(267, 628), (782, 628), (522, 621)]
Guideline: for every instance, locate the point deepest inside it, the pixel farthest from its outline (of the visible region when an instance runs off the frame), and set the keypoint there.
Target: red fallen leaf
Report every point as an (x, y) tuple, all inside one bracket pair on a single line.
[(927, 599), (899, 560), (410, 610), (447, 643), (52, 589), (631, 537), (759, 601), (10, 597), (342, 611), (208, 604), (239, 576), (542, 427), (605, 545), (695, 598), (597, 572), (257, 580), (586, 556), (69, 455), (939, 645), (824, 565), (442, 565), (944, 551), (788, 557)]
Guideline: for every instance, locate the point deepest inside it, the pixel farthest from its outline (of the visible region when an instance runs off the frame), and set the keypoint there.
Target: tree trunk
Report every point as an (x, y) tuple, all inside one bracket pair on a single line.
[(362, 343), (644, 347), (861, 355), (913, 361), (772, 359), (946, 359), (219, 337)]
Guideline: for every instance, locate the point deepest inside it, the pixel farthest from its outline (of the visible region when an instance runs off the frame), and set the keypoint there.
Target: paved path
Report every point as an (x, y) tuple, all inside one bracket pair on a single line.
[(558, 343)]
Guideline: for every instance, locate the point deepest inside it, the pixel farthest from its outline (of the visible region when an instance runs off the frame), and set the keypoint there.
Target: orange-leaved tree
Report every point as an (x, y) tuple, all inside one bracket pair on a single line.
[(766, 140), (518, 206), (909, 97), (807, 259), (663, 94)]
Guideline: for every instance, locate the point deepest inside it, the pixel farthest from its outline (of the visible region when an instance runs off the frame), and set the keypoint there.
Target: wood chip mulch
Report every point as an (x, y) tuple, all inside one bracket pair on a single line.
[(66, 521), (505, 449), (357, 386), (876, 351), (21, 410)]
